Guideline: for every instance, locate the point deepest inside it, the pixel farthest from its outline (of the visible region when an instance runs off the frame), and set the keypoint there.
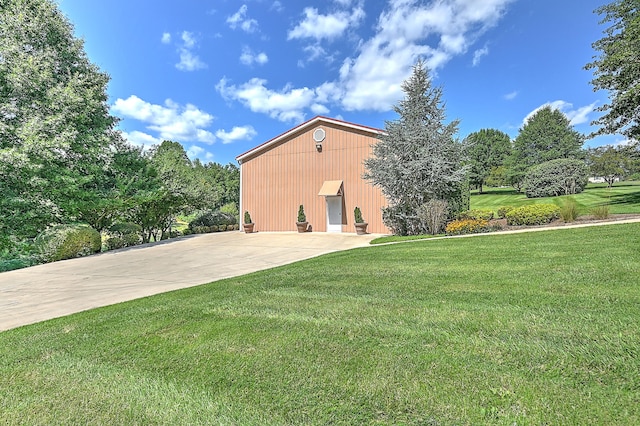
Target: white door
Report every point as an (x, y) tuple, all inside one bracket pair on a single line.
[(334, 214)]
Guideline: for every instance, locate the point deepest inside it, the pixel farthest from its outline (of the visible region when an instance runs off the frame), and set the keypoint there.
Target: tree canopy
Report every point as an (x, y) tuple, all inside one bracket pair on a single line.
[(487, 150), (55, 127), (547, 135), (616, 68), (418, 158)]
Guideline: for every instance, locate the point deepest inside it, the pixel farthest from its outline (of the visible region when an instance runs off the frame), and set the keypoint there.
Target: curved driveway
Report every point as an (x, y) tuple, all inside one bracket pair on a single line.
[(61, 288)]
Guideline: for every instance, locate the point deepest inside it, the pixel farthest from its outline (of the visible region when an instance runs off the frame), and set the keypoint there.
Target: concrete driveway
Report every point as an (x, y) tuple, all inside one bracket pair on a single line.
[(61, 288)]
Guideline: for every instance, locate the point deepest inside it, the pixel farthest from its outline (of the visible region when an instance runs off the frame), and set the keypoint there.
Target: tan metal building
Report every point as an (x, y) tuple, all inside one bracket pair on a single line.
[(318, 164)]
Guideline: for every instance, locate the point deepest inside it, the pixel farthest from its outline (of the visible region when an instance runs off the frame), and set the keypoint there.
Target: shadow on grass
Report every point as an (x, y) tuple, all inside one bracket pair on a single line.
[(632, 198)]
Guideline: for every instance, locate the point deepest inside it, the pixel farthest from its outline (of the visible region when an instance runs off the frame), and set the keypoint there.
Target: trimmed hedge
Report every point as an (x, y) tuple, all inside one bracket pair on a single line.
[(124, 234), (67, 241), (563, 176), (476, 214), (209, 219), (533, 214), (502, 211), (470, 226)]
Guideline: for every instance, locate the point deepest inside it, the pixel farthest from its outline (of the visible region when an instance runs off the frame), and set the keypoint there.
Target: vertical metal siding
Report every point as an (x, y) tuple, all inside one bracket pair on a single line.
[(275, 182)]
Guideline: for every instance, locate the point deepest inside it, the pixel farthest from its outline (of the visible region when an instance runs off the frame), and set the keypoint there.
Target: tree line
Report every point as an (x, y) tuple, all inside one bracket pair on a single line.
[(62, 159)]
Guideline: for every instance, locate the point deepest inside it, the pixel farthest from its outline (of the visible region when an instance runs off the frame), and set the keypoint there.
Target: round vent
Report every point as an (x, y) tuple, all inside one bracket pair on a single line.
[(318, 135)]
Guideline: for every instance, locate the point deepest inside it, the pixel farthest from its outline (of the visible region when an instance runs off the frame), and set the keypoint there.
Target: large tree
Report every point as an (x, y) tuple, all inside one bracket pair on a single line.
[(616, 68), (418, 159), (547, 135), (55, 126), (487, 150)]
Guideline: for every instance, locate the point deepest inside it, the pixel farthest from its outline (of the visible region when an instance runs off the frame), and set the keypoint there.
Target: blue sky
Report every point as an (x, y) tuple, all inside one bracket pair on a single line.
[(223, 76)]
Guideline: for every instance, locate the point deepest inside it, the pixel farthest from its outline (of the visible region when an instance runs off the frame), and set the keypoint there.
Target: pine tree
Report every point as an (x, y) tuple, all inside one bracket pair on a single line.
[(418, 158)]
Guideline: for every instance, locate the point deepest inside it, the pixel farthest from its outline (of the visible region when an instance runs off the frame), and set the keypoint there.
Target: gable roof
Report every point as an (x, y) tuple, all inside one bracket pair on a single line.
[(307, 124)]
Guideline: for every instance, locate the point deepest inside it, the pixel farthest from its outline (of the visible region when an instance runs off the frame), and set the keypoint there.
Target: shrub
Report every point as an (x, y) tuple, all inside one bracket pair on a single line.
[(533, 214), (502, 211), (247, 217), (476, 214), (67, 241), (470, 226), (563, 176), (123, 234), (569, 211), (210, 218), (433, 215), (230, 227), (301, 216), (600, 212), (357, 215)]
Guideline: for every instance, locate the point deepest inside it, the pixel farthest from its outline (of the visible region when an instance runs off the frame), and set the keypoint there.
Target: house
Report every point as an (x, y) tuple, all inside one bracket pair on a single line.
[(318, 164)]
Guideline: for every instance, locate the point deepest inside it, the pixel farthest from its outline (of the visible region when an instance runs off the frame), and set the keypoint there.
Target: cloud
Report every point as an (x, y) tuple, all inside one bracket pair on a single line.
[(575, 116), (285, 105), (277, 6), (240, 20), (170, 121), (371, 78), (249, 58), (330, 26), (188, 60), (511, 96), (141, 139), (236, 134), (478, 54), (166, 38)]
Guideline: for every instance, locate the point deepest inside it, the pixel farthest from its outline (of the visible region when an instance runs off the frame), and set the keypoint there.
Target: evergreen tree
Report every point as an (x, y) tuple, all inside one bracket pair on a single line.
[(418, 158), (546, 136), (487, 150)]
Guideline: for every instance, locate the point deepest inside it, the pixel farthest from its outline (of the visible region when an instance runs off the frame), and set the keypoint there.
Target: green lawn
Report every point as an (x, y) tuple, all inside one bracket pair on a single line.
[(539, 328), (623, 197)]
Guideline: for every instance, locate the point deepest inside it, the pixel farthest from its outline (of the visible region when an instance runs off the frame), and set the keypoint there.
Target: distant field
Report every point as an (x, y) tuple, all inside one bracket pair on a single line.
[(537, 328), (623, 197)]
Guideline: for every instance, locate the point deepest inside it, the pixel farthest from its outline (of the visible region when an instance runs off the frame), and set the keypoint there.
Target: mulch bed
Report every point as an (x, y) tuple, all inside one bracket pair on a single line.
[(586, 219)]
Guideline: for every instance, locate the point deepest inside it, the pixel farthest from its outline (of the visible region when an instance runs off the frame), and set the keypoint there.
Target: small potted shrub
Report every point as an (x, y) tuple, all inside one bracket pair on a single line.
[(248, 224), (302, 223), (360, 224)]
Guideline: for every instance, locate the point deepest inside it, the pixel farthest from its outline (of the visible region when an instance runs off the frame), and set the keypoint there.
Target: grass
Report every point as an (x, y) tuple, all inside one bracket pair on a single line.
[(397, 238), (623, 197), (537, 328)]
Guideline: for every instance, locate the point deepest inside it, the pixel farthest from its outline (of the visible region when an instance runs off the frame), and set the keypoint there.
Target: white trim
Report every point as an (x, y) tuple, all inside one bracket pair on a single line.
[(241, 215)]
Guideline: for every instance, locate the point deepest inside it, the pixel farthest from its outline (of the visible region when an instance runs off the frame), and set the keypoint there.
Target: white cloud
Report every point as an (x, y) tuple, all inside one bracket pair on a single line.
[(188, 60), (478, 54), (249, 58), (141, 139), (240, 20), (286, 105), (511, 96), (372, 78), (166, 38), (236, 134), (188, 39), (277, 6), (171, 121), (330, 26), (575, 116)]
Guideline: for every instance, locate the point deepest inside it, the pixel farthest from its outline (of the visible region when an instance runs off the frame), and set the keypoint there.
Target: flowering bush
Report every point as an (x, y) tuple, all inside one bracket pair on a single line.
[(533, 214), (502, 211), (476, 214), (468, 226)]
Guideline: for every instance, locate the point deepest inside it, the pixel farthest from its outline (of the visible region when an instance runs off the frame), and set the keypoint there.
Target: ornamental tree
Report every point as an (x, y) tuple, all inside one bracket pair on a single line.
[(616, 69), (418, 158)]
